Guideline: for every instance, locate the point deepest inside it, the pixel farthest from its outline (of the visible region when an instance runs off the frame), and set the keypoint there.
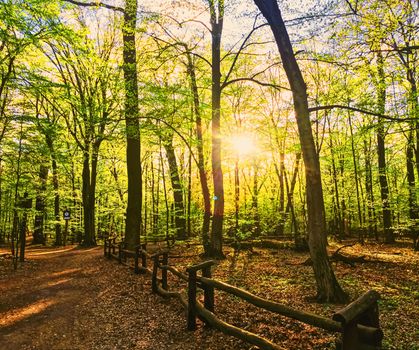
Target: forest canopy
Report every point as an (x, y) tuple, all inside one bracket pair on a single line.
[(180, 119)]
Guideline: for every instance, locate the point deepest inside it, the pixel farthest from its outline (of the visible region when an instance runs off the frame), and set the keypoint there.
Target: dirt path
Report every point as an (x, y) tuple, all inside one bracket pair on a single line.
[(72, 299)]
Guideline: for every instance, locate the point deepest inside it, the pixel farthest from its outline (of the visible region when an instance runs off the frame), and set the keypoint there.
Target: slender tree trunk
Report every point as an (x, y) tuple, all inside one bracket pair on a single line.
[(281, 180), (201, 161), (166, 202), (134, 205), (85, 197), (154, 218), (410, 170), (38, 232), (179, 207), (236, 194), (88, 195), (372, 225), (2, 209), (189, 199), (413, 206), (217, 16), (281, 177), (358, 199), (255, 195), (328, 288), (338, 214), (55, 184), (381, 151), (25, 204)]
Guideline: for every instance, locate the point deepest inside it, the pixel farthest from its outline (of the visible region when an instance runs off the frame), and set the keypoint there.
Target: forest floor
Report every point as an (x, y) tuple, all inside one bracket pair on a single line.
[(71, 298)]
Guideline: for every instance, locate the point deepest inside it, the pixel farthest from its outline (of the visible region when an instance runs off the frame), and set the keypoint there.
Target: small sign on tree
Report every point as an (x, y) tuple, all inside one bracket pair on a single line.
[(66, 214)]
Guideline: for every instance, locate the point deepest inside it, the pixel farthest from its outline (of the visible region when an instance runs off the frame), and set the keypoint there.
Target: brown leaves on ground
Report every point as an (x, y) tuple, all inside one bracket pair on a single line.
[(75, 299)]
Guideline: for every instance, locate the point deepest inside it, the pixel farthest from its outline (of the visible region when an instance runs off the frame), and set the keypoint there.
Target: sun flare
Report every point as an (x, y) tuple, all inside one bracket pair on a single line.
[(243, 144)]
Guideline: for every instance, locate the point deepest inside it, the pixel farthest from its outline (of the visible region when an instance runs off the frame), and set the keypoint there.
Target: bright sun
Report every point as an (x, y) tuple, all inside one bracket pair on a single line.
[(243, 144)]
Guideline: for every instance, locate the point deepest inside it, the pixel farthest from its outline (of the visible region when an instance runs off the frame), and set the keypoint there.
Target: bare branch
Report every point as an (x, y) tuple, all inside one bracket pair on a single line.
[(96, 4), (360, 110), (275, 86), (242, 46), (252, 78)]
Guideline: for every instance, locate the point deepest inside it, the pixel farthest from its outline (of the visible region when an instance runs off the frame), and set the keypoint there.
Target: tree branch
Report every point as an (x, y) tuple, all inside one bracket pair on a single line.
[(275, 86), (360, 110), (252, 78), (96, 4), (242, 46)]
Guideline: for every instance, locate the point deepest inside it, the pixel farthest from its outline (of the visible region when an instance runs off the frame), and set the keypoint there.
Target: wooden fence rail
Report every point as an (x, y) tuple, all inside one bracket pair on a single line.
[(358, 322)]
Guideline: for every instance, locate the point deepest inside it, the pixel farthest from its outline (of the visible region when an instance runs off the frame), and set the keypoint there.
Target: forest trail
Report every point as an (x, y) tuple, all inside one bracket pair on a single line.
[(70, 298)]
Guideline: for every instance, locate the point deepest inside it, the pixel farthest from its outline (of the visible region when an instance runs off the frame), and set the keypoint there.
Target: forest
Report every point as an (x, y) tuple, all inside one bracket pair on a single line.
[(217, 128)]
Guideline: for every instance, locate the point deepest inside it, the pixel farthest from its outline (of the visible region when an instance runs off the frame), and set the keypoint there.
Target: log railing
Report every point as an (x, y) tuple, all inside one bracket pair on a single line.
[(358, 322), (139, 254)]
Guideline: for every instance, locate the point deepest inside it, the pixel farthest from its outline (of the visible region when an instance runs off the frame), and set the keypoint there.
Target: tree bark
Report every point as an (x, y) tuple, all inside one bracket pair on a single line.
[(381, 151), (338, 222), (328, 289), (216, 242), (38, 232), (201, 161), (89, 175), (372, 226), (55, 184), (134, 205), (179, 207)]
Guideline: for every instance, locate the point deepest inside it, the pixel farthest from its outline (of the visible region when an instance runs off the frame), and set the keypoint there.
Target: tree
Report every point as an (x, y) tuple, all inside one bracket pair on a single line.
[(132, 122), (328, 288), (89, 104), (217, 20), (134, 205)]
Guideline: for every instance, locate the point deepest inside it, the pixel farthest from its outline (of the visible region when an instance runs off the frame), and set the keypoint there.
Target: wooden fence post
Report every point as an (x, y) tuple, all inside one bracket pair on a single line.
[(192, 300), (113, 245), (154, 276), (360, 322), (165, 261), (120, 253), (110, 247), (208, 290), (136, 257)]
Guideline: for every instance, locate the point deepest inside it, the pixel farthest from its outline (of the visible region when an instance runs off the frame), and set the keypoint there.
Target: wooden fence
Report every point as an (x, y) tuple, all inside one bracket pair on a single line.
[(358, 322)]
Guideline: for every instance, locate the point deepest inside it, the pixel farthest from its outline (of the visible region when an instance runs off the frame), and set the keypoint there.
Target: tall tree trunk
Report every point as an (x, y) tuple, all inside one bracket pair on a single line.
[(217, 17), (145, 199), (179, 207), (86, 198), (413, 206), (328, 288), (358, 199), (255, 195), (410, 170), (281, 178), (201, 161), (189, 197), (25, 204), (381, 151), (89, 175), (2, 209), (236, 194), (154, 195), (55, 184), (279, 230), (338, 214), (372, 225), (38, 232), (166, 202), (134, 205)]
